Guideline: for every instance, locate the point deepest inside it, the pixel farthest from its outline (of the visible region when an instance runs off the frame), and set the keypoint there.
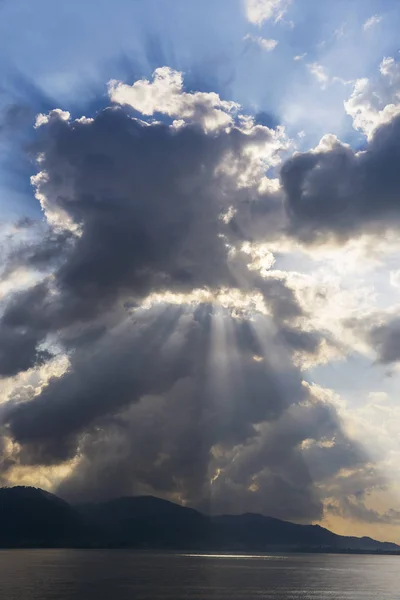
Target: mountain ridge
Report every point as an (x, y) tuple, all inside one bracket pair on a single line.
[(31, 517)]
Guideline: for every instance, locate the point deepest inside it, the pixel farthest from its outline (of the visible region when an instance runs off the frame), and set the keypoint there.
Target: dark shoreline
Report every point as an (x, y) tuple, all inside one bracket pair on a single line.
[(206, 552), (32, 519)]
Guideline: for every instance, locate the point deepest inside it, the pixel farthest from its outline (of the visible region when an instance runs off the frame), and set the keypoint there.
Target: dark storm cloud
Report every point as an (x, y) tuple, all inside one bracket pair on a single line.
[(354, 508), (385, 340), (382, 333), (280, 298), (348, 494), (19, 351), (200, 388), (158, 399), (147, 356), (43, 255), (103, 376), (244, 417), (338, 193), (301, 340), (276, 463), (147, 201)]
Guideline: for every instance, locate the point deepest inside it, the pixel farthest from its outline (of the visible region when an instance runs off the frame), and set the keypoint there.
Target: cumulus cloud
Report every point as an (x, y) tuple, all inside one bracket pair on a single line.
[(376, 102), (228, 439), (334, 192), (56, 113), (19, 350), (259, 11), (385, 339), (134, 209), (214, 427), (155, 286), (165, 95), (380, 329)]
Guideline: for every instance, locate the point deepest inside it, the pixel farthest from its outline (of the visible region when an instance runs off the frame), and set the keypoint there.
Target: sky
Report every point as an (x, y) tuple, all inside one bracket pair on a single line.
[(200, 275)]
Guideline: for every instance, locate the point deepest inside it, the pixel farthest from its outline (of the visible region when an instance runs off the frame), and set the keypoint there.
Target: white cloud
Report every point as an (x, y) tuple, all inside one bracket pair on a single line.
[(267, 45), (263, 152), (262, 259), (258, 11), (319, 72), (378, 397), (374, 103), (165, 95), (390, 69), (371, 22), (84, 120), (300, 56), (239, 303), (56, 113), (55, 215), (395, 278), (20, 279), (327, 143), (263, 43)]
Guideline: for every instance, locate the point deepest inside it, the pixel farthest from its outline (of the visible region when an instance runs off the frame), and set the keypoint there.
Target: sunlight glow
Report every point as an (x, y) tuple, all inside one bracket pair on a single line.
[(237, 556), (232, 299)]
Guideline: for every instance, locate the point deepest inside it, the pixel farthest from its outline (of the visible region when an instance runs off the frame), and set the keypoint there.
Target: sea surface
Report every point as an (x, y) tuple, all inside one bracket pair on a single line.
[(123, 575)]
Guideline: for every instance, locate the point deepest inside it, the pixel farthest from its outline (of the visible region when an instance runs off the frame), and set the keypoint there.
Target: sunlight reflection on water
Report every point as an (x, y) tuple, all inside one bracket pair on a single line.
[(127, 575)]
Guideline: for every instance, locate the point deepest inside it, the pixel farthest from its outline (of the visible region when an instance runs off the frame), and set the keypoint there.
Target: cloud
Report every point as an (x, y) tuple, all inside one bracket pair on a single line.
[(259, 11), (394, 277), (168, 398), (220, 438), (154, 285), (319, 72), (385, 339), (265, 44), (19, 351), (380, 329), (165, 95), (375, 102), (335, 193), (56, 113), (372, 22), (105, 373), (134, 210)]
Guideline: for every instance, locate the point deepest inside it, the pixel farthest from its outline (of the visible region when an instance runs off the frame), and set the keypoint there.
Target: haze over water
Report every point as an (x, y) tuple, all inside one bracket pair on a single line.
[(123, 575)]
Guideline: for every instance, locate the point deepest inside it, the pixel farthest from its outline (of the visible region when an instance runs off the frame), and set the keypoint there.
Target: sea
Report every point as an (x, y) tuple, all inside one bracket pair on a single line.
[(127, 575)]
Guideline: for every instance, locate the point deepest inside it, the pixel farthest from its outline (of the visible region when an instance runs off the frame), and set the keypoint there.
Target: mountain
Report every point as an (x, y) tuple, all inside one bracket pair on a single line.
[(264, 533), (31, 517), (148, 522)]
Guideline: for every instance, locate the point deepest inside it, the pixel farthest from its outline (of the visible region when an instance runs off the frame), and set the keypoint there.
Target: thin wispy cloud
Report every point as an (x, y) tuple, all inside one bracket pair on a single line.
[(372, 22), (265, 44), (319, 72)]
